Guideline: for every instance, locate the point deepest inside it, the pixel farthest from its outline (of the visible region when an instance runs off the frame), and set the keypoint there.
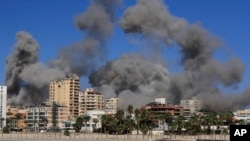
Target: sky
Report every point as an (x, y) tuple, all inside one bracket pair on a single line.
[(52, 24)]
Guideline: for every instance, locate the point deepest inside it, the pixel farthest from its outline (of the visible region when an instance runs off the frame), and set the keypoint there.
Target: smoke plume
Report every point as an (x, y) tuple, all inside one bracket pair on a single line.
[(97, 24), (25, 77), (131, 76), (202, 75)]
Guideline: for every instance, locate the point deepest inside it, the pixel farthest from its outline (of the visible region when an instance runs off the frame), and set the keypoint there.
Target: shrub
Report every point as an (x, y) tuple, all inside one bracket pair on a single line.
[(66, 133), (6, 130)]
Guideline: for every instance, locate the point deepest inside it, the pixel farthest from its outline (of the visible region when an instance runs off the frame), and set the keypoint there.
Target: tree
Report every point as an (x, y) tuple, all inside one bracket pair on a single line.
[(119, 115), (78, 125), (168, 119), (130, 109), (179, 123), (95, 120), (44, 120), (2, 119), (54, 114), (18, 116), (146, 120), (138, 119), (86, 119)]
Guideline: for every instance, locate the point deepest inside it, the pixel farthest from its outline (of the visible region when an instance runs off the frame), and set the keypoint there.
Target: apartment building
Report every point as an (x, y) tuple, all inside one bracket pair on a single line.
[(242, 115), (111, 105), (90, 100), (34, 117), (16, 117), (191, 106), (95, 120), (56, 114), (3, 105), (159, 107), (65, 92)]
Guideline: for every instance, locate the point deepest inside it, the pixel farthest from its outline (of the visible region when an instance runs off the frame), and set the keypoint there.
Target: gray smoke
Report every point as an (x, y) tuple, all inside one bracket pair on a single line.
[(27, 79), (130, 77), (97, 24), (202, 75)]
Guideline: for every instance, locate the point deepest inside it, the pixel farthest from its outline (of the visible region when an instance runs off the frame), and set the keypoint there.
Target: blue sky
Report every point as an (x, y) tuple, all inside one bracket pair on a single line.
[(51, 23)]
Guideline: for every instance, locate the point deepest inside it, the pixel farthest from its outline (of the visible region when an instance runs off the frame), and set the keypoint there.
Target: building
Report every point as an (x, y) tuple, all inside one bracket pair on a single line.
[(111, 105), (159, 107), (95, 120), (243, 115), (191, 106), (35, 116), (90, 100), (16, 117), (56, 114), (3, 105), (65, 92)]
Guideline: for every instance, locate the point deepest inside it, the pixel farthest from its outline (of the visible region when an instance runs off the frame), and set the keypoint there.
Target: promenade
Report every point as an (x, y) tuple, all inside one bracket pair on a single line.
[(23, 136)]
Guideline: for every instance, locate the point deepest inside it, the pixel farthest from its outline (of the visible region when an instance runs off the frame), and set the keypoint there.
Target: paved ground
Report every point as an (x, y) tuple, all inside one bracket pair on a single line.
[(102, 137)]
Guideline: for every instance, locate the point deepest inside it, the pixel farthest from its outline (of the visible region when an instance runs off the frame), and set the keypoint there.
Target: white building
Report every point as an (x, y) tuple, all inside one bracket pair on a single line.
[(160, 100), (3, 105), (34, 117), (193, 105), (111, 105), (242, 115), (90, 100), (94, 115)]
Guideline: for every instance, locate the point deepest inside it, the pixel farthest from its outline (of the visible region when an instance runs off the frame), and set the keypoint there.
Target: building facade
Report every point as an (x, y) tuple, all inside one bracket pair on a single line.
[(90, 100), (191, 106), (111, 105), (56, 114), (3, 105), (34, 118), (242, 115), (65, 92), (95, 120)]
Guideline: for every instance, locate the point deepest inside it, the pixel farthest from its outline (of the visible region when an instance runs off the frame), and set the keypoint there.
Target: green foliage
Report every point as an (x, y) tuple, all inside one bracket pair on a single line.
[(144, 129), (6, 130), (66, 133), (78, 125)]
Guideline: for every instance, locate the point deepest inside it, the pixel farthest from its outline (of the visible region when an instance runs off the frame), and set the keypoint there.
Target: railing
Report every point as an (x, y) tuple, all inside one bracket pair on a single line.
[(109, 137)]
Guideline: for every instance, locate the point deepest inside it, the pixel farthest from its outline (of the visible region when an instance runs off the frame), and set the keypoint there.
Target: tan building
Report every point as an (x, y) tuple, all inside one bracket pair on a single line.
[(90, 100), (65, 92), (111, 105), (191, 106), (56, 113)]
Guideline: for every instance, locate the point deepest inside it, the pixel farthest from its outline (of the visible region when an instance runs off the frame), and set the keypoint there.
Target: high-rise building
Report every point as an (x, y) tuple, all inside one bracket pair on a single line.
[(192, 105), (65, 92), (3, 105), (90, 100), (111, 105)]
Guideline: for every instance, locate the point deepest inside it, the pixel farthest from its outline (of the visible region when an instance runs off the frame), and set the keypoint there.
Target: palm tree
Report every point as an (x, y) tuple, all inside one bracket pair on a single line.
[(44, 120), (104, 122), (95, 120), (194, 124), (146, 119), (86, 118), (137, 118), (119, 115), (18, 116), (130, 109), (2, 119), (168, 119), (78, 125), (179, 123)]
